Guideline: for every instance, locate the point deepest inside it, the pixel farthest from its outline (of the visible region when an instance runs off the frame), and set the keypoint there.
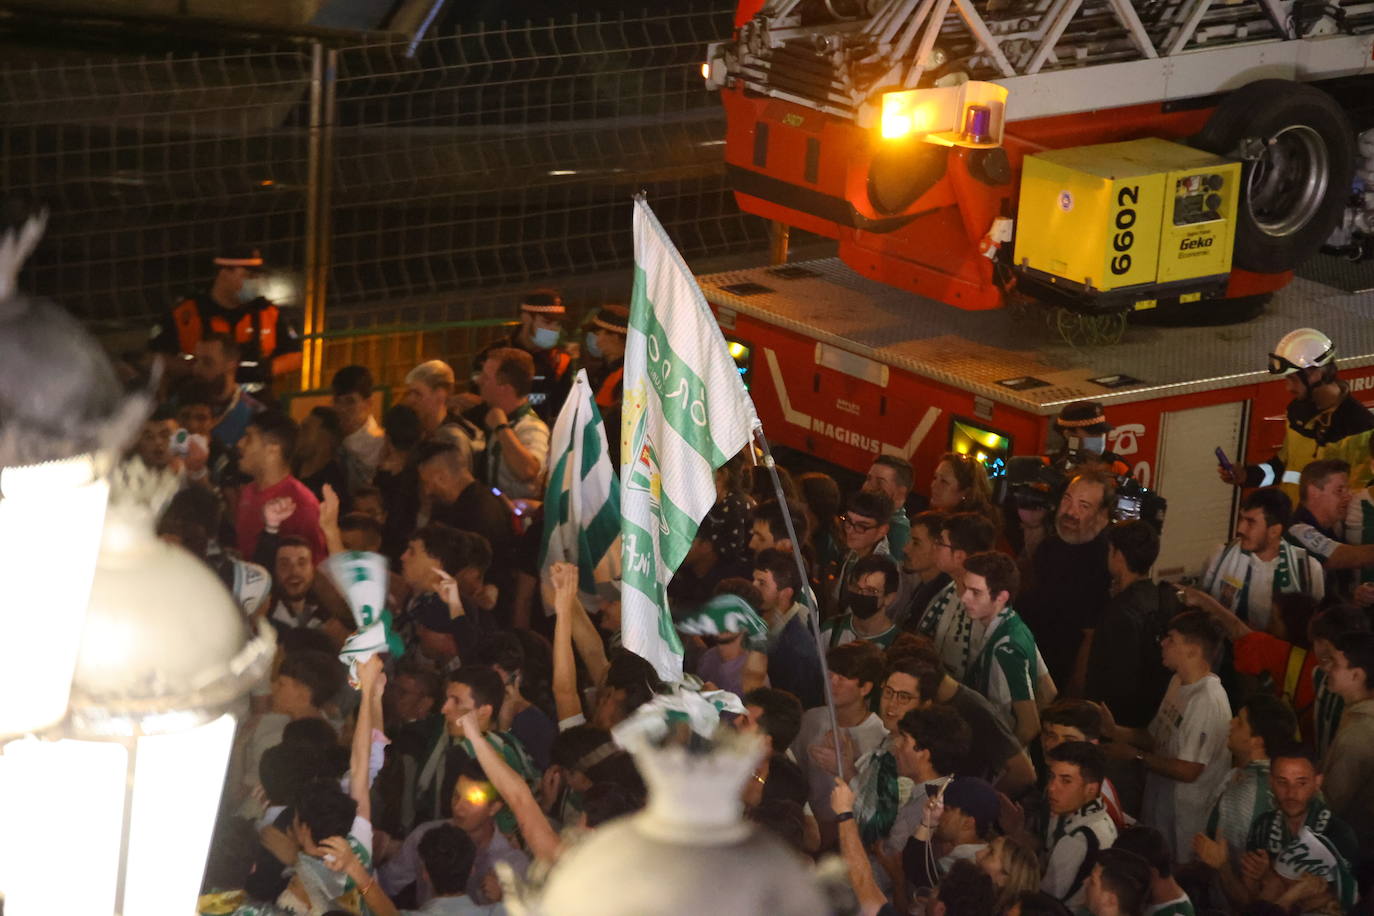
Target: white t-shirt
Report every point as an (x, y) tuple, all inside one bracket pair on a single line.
[(534, 436), (1248, 578), (1192, 724), (867, 735)]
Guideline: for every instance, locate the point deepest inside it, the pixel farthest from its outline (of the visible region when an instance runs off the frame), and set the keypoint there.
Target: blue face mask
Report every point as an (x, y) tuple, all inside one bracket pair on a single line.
[(592, 348), (544, 338), (248, 291)]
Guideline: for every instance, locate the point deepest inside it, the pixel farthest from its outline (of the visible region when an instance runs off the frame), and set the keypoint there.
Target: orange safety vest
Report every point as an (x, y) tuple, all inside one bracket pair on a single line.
[(561, 362), (257, 330), (605, 395)]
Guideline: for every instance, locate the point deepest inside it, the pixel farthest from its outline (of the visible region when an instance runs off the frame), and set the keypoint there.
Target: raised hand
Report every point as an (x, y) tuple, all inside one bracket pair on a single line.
[(329, 509), (447, 588), (841, 797), (564, 577), (276, 511)]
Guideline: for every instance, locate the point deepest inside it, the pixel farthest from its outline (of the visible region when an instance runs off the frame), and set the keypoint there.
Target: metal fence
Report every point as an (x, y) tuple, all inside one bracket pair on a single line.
[(392, 181)]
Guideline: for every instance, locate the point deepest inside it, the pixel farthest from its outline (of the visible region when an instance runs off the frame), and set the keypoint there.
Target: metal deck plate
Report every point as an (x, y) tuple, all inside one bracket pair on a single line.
[(1339, 272), (973, 351)]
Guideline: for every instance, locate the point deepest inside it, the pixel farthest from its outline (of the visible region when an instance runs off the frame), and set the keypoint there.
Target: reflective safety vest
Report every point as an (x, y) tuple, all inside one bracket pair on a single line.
[(606, 395), (256, 331)]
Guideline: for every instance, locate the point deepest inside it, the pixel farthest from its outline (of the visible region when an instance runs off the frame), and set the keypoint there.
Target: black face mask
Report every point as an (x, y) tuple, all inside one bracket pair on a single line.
[(862, 606)]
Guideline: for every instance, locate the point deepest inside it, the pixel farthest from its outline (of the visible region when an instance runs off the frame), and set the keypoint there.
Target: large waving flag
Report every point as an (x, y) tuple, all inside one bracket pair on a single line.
[(685, 414), (582, 500)]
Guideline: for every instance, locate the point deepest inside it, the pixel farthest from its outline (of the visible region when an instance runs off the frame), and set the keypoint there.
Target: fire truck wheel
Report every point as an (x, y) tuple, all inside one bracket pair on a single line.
[(1298, 151)]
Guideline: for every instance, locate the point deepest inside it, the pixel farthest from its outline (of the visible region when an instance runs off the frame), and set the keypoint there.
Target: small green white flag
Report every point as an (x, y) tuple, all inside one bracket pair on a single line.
[(727, 614), (361, 579), (685, 413), (582, 500)]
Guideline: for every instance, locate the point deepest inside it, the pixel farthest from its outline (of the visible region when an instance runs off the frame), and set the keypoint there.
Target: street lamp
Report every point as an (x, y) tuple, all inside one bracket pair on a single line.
[(129, 783), (110, 809)]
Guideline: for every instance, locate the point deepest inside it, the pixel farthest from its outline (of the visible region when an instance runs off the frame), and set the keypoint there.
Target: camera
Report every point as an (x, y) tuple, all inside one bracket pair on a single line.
[(1033, 482)]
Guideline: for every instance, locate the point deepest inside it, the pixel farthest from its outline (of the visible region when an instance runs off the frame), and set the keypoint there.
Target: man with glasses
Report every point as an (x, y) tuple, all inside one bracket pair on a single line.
[(863, 528), (866, 605)]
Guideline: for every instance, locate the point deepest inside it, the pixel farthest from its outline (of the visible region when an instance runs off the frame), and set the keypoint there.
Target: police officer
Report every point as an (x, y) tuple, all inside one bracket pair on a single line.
[(1084, 427), (604, 356), (1324, 420), (542, 314), (269, 344)]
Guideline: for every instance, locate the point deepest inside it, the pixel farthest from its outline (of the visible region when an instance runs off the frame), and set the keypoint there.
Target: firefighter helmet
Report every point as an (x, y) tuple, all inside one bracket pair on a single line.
[(1305, 348)]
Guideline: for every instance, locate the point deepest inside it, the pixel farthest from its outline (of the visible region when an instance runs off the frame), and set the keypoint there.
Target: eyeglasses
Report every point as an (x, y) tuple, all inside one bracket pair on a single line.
[(901, 696), (861, 527)]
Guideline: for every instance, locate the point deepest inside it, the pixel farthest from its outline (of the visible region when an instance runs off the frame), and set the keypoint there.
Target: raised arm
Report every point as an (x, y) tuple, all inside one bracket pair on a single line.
[(1235, 627), (539, 834), (566, 699), (329, 521), (587, 639), (871, 898), (371, 680)]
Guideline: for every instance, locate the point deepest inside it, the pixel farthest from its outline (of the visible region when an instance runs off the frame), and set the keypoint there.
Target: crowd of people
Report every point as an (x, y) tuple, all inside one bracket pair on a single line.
[(1028, 722)]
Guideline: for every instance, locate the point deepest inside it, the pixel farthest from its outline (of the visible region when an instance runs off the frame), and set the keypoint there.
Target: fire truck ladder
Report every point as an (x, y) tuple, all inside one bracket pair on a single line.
[(837, 56)]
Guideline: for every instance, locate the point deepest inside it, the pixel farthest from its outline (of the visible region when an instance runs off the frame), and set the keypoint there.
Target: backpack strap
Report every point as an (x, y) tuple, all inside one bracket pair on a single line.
[(1089, 858)]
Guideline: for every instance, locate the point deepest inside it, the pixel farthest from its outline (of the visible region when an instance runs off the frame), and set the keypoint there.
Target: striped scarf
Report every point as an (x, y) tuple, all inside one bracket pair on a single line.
[(1309, 852), (876, 795), (1235, 565)]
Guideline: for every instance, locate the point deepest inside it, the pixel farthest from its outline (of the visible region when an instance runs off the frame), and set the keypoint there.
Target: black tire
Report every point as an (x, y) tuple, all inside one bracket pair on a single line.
[(1279, 224)]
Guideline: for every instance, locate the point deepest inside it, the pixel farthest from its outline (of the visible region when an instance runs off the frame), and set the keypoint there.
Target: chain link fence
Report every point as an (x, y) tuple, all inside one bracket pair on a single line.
[(418, 183), (147, 166)]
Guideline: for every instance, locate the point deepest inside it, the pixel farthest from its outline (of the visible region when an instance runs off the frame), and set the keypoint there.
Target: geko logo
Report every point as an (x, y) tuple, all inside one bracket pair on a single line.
[(1189, 244)]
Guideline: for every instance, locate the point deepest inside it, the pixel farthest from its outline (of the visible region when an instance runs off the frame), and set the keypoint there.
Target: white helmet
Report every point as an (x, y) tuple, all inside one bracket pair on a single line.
[(1305, 348)]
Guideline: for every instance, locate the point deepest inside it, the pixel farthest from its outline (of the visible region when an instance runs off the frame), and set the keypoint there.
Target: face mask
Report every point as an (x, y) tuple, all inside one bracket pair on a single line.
[(248, 291), (544, 338), (592, 348), (863, 606), (1088, 445)]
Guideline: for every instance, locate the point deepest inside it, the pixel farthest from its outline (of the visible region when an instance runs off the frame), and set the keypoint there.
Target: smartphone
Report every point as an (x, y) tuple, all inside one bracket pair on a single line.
[(940, 792), (1224, 461)]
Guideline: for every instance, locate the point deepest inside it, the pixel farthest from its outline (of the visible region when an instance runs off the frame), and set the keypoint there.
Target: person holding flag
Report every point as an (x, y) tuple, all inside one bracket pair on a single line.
[(685, 413)]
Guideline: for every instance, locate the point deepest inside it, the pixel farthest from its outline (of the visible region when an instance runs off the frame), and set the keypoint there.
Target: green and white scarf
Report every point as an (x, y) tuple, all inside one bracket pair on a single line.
[(727, 614), (1235, 565), (877, 795), (1311, 851)]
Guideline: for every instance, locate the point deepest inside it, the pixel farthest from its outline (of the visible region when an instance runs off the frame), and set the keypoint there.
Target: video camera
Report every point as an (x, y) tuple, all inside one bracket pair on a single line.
[(1034, 482)]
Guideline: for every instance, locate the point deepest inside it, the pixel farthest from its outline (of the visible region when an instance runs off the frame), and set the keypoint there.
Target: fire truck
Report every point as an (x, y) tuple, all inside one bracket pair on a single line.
[(1110, 158)]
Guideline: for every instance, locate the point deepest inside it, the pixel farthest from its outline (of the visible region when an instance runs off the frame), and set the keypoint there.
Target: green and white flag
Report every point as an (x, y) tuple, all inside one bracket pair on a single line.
[(727, 613), (582, 500), (360, 577), (685, 413)]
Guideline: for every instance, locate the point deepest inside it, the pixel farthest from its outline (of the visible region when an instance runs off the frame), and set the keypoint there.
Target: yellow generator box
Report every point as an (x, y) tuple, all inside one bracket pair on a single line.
[(1127, 214)]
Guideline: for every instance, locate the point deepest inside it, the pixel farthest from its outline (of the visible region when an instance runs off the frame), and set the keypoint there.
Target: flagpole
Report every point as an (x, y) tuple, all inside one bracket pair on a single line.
[(815, 625)]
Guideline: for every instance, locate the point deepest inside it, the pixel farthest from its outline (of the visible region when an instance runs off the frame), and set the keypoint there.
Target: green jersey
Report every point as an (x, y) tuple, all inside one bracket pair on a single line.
[(1007, 665)]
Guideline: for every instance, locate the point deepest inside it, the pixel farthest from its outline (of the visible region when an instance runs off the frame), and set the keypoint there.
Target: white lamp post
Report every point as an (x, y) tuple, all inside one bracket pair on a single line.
[(112, 810), (50, 522), (124, 658)]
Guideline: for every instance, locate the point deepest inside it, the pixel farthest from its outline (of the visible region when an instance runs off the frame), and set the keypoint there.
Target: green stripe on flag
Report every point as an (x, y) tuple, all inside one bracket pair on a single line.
[(682, 394)]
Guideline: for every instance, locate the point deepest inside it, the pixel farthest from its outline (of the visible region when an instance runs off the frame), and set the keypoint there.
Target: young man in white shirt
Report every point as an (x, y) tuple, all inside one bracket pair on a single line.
[(363, 435), (1184, 749), (856, 669)]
